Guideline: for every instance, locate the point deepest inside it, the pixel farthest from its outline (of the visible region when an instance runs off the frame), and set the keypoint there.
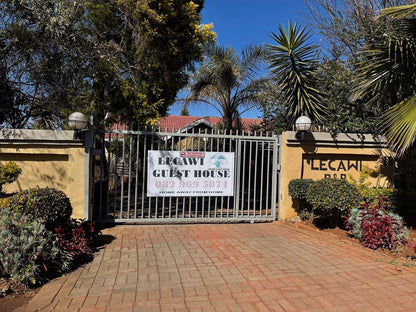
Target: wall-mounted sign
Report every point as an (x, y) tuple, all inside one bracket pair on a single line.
[(174, 173), (335, 166)]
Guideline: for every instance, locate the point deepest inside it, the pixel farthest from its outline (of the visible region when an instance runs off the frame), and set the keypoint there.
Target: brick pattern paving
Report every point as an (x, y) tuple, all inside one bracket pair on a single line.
[(231, 267)]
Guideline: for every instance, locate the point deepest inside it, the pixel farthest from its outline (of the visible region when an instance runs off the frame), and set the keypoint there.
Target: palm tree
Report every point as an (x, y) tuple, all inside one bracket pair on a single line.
[(228, 82), (388, 73), (292, 62)]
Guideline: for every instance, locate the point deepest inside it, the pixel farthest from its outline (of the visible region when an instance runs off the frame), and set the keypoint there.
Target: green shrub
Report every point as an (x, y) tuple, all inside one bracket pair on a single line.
[(28, 251), (331, 200), (9, 172), (371, 195), (299, 187), (51, 205)]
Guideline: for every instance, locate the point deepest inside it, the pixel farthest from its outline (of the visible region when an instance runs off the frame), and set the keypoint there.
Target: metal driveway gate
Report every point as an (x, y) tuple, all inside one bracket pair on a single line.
[(119, 186)]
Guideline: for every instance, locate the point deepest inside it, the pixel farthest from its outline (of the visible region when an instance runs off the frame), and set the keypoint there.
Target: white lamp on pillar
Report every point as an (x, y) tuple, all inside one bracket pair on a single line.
[(302, 125), (78, 122)]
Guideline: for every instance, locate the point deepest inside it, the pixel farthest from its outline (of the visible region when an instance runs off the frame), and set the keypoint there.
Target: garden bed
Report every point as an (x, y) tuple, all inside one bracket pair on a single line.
[(13, 295), (404, 254)]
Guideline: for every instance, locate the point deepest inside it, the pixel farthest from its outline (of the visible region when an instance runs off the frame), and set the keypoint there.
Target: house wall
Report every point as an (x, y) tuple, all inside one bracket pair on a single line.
[(47, 158), (320, 155)]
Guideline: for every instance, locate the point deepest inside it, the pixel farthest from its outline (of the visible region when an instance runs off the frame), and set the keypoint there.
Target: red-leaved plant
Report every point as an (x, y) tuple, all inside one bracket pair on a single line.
[(379, 228), (77, 238)]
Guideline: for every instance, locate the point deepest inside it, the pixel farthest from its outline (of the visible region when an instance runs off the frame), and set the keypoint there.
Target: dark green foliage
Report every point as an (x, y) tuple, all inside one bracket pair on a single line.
[(274, 119), (299, 187), (9, 172), (127, 57), (28, 251), (331, 200), (335, 78), (51, 205)]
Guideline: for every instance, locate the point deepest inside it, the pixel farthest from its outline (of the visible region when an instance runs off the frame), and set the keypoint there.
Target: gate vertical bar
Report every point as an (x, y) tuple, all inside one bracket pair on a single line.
[(261, 178), (144, 172), (244, 177), (116, 175), (223, 149), (136, 195), (122, 176), (129, 181), (274, 176), (150, 198), (228, 197), (163, 199), (255, 177), (268, 177), (249, 177), (237, 172), (203, 197), (109, 174)]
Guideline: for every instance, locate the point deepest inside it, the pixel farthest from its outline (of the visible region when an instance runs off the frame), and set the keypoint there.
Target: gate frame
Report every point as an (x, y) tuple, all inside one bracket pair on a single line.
[(274, 139)]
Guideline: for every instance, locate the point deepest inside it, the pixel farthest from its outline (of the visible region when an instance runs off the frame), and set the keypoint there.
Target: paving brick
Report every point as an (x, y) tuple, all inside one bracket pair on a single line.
[(220, 267)]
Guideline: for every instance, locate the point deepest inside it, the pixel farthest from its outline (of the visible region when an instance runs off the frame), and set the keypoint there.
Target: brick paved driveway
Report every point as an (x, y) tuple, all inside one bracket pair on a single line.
[(233, 267)]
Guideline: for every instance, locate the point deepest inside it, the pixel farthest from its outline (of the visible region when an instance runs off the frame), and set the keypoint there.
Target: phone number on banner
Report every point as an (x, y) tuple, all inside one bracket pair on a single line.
[(191, 184)]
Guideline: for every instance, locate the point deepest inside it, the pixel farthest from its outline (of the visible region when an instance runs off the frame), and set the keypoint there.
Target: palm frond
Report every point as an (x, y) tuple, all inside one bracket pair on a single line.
[(292, 62), (399, 11), (225, 80), (400, 125), (388, 65)]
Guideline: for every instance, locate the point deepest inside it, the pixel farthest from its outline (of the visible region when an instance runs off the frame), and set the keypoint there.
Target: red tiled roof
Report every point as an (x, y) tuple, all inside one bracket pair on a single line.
[(175, 123)]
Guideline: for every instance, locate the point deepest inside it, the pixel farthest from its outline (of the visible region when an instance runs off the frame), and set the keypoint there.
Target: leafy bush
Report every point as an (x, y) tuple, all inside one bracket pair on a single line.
[(28, 251), (299, 187), (77, 237), (370, 195), (51, 205), (354, 223), (9, 172), (377, 228), (331, 200)]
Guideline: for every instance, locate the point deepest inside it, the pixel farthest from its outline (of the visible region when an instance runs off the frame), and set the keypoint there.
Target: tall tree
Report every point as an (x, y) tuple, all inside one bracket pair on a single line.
[(344, 115), (293, 65), (162, 40), (228, 82), (37, 40), (348, 25), (124, 56)]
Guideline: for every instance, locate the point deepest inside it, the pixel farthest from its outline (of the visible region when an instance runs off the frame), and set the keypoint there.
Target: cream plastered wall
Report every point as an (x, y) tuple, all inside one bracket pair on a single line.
[(320, 155), (47, 158)]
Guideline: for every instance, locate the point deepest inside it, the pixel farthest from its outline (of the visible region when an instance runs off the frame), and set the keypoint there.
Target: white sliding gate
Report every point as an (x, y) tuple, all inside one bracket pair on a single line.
[(121, 177)]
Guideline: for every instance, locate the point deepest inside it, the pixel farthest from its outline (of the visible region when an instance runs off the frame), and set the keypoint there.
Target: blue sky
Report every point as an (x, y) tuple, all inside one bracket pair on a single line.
[(241, 22)]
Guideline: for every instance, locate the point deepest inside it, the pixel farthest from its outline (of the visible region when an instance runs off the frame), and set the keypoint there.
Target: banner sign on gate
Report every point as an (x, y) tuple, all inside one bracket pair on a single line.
[(184, 173)]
